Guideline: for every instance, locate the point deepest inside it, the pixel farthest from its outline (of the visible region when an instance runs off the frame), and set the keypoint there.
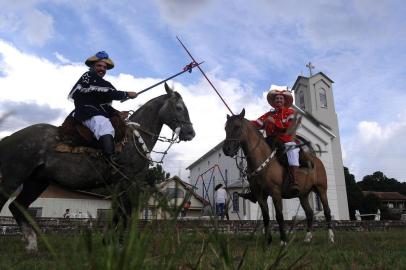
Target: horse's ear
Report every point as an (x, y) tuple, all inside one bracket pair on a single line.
[(228, 116), (242, 113), (168, 89)]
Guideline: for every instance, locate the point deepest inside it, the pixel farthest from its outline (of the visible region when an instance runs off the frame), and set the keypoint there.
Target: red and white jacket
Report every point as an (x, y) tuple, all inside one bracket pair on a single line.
[(284, 118)]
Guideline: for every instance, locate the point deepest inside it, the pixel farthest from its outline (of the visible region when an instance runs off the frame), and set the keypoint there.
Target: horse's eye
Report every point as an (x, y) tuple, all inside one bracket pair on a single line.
[(179, 108)]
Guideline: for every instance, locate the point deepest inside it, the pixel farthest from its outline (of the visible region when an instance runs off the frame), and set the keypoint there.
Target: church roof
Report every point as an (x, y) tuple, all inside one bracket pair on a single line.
[(188, 187), (306, 78)]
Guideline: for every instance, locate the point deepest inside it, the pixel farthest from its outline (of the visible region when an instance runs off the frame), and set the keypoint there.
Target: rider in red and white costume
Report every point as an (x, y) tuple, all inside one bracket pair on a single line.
[(281, 123)]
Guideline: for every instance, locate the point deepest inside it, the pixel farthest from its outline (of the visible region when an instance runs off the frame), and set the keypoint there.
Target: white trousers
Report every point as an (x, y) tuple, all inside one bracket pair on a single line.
[(292, 153), (99, 125)]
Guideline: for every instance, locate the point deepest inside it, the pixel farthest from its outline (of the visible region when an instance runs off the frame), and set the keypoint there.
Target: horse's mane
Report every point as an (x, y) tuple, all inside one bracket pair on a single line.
[(156, 99), (149, 102), (252, 127)]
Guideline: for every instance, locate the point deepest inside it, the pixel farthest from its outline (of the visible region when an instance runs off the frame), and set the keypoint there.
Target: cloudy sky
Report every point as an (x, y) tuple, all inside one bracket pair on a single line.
[(247, 46)]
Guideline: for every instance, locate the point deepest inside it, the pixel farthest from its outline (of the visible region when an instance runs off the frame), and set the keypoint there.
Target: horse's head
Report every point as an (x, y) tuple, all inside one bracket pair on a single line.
[(174, 114), (234, 131)]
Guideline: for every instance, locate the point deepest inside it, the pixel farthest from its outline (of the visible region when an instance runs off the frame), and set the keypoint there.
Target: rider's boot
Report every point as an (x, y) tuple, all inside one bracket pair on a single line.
[(108, 148), (294, 184), (249, 196)]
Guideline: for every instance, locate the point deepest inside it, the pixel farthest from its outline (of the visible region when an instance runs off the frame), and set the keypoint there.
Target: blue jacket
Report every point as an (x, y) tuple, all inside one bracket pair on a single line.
[(93, 95)]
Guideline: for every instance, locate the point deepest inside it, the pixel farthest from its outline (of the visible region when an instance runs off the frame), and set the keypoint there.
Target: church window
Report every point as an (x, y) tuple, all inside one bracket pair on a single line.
[(236, 202), (318, 150), (323, 98), (301, 100)]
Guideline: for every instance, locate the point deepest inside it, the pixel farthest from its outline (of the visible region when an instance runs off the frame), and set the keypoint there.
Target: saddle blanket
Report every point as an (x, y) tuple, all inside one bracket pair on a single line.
[(66, 148)]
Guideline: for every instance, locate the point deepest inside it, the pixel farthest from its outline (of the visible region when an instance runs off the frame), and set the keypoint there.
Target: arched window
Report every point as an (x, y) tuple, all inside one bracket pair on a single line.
[(323, 98), (318, 150), (302, 100), (236, 202)]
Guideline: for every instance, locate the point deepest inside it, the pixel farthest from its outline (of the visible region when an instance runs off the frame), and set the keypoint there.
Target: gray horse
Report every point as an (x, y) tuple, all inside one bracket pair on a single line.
[(28, 158)]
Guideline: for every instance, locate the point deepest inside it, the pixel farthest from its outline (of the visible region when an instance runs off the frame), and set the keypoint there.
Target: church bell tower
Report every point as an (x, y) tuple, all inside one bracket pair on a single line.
[(314, 94)]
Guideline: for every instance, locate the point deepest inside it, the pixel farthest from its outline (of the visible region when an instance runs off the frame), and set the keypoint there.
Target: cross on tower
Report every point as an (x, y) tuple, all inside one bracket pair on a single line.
[(310, 67)]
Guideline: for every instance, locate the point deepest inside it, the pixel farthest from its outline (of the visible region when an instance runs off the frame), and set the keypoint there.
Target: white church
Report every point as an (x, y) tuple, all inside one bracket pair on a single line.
[(314, 99)]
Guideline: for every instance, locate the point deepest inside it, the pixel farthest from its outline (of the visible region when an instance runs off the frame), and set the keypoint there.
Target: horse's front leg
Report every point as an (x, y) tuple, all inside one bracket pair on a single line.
[(120, 219), (277, 201), (265, 216)]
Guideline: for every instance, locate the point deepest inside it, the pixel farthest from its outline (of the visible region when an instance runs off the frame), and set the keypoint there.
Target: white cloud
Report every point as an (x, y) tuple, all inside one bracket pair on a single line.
[(39, 81), (180, 12), (22, 17), (62, 58), (378, 147), (38, 27), (33, 79)]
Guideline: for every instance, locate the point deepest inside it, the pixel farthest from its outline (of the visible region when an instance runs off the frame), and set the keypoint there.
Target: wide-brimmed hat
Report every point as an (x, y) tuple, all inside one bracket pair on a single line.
[(100, 56), (218, 186), (286, 94)]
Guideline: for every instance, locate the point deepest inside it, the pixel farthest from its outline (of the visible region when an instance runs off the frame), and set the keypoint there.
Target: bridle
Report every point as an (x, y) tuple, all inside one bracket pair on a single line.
[(179, 123), (141, 146), (263, 164), (238, 138)]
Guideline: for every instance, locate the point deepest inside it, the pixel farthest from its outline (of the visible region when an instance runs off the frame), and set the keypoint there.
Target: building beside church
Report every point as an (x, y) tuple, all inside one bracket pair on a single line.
[(314, 99), (179, 195), (55, 201)]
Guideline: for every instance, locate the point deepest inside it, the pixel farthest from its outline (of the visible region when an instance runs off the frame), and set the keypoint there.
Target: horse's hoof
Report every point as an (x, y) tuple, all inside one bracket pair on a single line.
[(308, 237), (331, 235), (31, 247), (283, 244), (30, 237)]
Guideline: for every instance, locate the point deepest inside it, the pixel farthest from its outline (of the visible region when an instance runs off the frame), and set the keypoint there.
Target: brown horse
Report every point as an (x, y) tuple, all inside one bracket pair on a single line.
[(267, 174)]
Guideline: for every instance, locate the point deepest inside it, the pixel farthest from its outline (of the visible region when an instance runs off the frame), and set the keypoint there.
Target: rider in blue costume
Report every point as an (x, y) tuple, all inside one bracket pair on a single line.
[(93, 96)]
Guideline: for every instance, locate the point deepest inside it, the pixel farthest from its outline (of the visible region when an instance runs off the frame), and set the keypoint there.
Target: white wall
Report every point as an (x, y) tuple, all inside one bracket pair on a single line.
[(55, 207)]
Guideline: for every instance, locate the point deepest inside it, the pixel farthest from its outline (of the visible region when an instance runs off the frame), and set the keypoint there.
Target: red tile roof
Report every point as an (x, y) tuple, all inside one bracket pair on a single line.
[(392, 196)]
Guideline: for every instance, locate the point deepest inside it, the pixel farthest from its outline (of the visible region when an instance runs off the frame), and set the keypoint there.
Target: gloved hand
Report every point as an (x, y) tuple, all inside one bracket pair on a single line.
[(132, 95)]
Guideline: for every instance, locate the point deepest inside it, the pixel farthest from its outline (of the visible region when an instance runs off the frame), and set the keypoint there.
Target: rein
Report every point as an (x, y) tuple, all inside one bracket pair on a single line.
[(263, 164), (144, 151)]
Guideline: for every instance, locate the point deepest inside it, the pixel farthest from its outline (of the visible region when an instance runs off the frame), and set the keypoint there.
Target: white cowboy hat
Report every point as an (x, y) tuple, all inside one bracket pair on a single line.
[(285, 93)]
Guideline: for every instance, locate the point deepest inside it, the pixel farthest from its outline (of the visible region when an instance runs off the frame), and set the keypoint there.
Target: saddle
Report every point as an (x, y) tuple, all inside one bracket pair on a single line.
[(77, 138), (305, 159)]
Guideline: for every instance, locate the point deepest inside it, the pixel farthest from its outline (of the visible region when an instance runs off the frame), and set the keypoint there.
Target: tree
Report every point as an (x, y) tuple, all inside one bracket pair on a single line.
[(354, 193), (370, 205), (378, 181), (156, 175)]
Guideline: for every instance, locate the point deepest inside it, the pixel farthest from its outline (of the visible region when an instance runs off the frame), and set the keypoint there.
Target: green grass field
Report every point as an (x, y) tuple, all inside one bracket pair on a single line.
[(172, 249)]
